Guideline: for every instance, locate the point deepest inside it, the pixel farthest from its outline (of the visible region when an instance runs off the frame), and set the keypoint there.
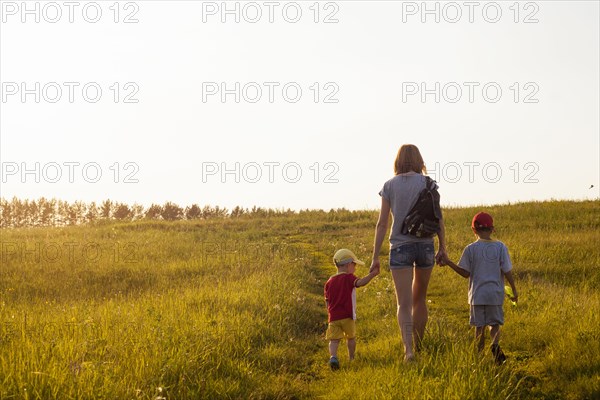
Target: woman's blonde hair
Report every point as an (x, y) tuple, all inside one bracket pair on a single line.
[(409, 159)]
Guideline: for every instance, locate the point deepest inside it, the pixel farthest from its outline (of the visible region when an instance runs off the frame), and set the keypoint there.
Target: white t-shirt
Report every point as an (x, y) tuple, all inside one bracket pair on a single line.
[(486, 260), (402, 192)]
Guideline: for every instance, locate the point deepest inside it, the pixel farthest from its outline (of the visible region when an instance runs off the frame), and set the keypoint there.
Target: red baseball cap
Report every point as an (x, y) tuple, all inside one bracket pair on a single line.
[(482, 220)]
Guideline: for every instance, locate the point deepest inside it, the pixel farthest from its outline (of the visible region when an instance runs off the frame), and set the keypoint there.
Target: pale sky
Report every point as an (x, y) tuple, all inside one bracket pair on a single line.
[(536, 139)]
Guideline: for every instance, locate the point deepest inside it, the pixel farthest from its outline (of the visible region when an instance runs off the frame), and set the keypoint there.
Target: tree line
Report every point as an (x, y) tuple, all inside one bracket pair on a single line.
[(18, 213)]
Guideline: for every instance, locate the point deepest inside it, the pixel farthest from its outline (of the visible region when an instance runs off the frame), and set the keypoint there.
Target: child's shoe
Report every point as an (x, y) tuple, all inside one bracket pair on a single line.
[(334, 363), (499, 355)]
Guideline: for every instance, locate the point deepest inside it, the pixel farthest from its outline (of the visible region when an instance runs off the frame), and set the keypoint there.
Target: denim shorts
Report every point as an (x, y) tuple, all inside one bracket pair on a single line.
[(417, 254)]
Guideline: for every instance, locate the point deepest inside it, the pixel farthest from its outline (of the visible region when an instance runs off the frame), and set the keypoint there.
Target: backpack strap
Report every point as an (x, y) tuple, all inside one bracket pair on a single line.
[(429, 183), (437, 210)]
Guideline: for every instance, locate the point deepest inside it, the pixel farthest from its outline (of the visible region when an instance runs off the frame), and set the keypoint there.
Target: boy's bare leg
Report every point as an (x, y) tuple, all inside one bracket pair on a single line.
[(499, 355), (351, 348), (403, 284), (495, 333), (333, 347), (419, 304), (480, 337)]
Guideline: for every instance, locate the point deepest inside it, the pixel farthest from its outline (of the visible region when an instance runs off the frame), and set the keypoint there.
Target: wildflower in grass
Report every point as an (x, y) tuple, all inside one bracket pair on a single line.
[(161, 394)]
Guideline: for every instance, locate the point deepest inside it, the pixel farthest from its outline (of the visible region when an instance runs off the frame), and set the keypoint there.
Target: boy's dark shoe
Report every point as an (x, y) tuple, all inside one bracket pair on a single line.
[(499, 355), (334, 363)]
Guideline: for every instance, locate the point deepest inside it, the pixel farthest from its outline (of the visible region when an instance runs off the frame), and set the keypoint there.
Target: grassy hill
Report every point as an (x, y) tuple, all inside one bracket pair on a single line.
[(233, 308)]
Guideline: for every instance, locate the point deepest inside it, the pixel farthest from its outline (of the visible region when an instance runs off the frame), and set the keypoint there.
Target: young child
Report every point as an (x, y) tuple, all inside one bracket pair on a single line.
[(486, 262), (340, 296)]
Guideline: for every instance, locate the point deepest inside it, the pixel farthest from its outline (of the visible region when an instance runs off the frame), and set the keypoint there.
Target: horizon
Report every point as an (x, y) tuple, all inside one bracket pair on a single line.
[(249, 210)]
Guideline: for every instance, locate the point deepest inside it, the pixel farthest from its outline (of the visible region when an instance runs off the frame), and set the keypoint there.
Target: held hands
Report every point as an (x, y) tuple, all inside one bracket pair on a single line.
[(446, 261), (441, 258), (375, 267)]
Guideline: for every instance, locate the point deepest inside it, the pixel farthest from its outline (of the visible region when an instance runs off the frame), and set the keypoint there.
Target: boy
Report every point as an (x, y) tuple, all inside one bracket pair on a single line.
[(340, 296), (485, 262)]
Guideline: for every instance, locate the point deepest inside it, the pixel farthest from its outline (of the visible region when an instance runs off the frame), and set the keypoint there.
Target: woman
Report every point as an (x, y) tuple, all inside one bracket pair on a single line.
[(411, 258)]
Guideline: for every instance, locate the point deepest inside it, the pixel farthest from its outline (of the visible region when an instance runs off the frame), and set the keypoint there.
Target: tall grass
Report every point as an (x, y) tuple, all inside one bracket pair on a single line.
[(234, 309)]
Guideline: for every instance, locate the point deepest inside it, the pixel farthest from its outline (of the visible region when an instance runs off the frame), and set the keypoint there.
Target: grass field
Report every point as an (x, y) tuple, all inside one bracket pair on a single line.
[(233, 308)]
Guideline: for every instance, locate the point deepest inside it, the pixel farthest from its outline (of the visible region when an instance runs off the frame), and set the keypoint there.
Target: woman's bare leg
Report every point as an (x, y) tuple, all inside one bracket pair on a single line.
[(419, 304), (403, 284)]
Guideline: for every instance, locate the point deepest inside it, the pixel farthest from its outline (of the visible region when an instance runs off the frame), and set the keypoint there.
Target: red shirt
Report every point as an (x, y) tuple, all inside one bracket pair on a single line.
[(340, 294)]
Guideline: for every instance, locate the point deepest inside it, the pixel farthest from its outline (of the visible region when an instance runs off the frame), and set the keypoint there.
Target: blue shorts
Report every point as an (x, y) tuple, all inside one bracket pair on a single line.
[(417, 254), (486, 315)]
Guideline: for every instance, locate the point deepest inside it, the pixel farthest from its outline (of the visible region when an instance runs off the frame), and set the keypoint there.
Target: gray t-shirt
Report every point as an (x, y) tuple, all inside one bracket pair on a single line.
[(486, 260), (402, 192)]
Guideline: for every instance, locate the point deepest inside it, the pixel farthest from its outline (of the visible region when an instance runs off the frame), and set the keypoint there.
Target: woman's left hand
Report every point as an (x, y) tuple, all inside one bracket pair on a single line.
[(441, 256)]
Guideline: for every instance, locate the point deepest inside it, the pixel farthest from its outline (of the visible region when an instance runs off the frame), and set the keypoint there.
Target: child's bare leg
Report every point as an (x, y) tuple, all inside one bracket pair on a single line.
[(351, 348), (495, 333), (499, 355), (480, 337), (333, 347)]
